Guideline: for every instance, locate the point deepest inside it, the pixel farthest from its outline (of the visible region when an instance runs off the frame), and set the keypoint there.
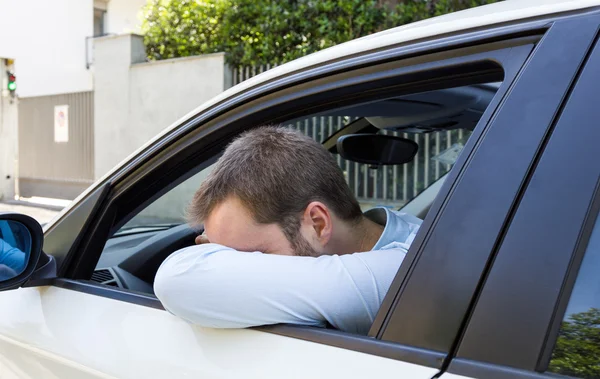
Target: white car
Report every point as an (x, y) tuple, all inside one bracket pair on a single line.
[(501, 281)]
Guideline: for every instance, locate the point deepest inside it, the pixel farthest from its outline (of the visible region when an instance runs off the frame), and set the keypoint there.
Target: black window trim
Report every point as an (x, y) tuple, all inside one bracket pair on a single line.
[(477, 369), (211, 137), (555, 296), (431, 305)]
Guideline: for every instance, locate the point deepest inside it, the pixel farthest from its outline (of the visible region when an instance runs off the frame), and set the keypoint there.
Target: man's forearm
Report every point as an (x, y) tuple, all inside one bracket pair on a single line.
[(214, 286)]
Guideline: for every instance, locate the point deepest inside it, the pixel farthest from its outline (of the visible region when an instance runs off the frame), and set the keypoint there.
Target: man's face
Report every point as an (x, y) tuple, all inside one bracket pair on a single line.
[(230, 224)]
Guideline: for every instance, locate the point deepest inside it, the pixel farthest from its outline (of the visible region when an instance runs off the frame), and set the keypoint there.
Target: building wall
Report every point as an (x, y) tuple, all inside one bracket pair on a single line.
[(135, 100), (123, 16), (47, 40), (49, 168), (8, 141)]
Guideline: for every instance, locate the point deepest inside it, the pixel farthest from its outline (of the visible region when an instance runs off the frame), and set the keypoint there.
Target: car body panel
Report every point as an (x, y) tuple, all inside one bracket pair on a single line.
[(45, 329)]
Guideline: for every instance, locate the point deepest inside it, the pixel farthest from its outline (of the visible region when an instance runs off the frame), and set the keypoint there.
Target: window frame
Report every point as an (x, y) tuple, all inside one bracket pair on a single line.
[(201, 146), (143, 167), (99, 20), (498, 341)]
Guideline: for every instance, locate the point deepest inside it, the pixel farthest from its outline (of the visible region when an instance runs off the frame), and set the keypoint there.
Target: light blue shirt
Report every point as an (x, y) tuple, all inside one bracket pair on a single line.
[(11, 257), (216, 286)]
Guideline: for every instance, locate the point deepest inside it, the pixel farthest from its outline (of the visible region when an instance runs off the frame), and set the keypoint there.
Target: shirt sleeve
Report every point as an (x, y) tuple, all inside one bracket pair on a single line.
[(215, 286), (12, 257)]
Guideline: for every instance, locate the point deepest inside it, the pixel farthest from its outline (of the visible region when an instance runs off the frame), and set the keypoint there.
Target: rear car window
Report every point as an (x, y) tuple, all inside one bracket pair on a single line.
[(577, 349)]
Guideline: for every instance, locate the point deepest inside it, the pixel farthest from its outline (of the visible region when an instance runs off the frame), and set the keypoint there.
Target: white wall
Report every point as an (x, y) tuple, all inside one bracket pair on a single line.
[(135, 101), (8, 140), (47, 40), (123, 16)]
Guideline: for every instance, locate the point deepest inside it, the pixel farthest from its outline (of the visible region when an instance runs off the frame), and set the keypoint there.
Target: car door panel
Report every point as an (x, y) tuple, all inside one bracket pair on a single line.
[(519, 306), (111, 338)]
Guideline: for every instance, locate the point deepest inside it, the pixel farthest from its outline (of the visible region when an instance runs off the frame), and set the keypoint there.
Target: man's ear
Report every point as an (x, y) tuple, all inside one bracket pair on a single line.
[(318, 217)]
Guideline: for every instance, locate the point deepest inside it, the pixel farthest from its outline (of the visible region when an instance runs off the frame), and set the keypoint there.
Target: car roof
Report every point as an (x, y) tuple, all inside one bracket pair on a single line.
[(487, 15)]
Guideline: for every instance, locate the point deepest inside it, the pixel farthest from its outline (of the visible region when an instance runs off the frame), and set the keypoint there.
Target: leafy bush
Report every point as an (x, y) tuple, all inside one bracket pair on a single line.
[(180, 28), (274, 31), (577, 350)]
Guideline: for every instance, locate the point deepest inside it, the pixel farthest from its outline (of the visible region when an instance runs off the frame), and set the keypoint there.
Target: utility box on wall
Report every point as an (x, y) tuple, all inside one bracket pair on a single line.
[(8, 129)]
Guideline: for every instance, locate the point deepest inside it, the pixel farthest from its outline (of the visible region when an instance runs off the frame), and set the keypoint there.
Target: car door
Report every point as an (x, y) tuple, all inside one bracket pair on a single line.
[(70, 327), (537, 313)]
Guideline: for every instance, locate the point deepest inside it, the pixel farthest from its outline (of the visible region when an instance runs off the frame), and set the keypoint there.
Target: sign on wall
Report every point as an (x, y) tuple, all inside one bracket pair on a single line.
[(61, 123)]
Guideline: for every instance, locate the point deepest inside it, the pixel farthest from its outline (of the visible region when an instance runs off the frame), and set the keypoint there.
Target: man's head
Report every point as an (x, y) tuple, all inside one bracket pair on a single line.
[(277, 191)]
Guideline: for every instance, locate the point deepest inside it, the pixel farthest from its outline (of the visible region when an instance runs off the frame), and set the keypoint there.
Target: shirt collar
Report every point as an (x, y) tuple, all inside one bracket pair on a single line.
[(399, 227)]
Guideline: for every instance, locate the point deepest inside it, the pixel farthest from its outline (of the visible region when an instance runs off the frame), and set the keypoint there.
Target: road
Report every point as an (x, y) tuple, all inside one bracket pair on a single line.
[(42, 215)]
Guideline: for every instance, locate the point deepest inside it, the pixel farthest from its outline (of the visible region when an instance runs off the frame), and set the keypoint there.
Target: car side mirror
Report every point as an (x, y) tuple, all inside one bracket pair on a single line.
[(21, 240)]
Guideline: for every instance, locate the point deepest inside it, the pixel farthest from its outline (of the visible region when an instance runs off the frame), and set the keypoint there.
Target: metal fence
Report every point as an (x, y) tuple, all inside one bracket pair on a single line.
[(56, 169), (384, 185)]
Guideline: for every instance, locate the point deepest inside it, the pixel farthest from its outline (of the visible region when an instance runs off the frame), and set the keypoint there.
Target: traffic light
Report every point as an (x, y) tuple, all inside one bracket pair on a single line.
[(12, 82)]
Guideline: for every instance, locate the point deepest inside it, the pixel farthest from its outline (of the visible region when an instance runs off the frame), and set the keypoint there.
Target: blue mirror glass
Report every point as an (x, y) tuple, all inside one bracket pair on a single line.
[(15, 248)]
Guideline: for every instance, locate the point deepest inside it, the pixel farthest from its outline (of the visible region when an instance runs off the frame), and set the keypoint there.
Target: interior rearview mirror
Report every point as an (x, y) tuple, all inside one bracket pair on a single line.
[(20, 248), (376, 149)]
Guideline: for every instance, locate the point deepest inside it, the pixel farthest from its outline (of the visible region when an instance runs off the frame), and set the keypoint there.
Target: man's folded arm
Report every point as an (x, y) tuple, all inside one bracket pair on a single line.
[(215, 286)]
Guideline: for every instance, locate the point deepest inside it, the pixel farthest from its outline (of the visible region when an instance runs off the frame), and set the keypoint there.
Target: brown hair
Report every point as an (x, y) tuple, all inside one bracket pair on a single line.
[(276, 172)]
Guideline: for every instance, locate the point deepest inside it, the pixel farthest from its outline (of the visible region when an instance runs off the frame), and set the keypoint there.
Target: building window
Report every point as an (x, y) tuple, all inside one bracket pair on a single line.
[(99, 16)]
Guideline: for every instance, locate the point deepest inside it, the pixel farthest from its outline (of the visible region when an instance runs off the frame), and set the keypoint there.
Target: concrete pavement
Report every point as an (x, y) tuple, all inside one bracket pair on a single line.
[(41, 214)]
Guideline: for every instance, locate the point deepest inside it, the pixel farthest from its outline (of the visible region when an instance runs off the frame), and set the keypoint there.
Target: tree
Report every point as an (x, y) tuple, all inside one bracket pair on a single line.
[(262, 31), (577, 349), (180, 28), (274, 31)]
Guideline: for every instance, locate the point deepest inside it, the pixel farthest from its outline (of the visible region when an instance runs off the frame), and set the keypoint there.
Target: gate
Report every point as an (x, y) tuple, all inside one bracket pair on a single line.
[(56, 145)]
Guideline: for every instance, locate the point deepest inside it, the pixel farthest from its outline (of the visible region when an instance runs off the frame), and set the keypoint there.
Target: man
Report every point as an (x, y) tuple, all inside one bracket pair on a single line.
[(12, 261), (288, 242)]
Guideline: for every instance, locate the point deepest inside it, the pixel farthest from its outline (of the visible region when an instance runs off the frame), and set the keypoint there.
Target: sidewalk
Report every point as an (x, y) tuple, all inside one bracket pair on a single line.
[(42, 213)]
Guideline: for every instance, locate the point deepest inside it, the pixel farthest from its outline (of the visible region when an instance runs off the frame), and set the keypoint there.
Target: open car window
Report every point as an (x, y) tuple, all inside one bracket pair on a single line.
[(439, 122)]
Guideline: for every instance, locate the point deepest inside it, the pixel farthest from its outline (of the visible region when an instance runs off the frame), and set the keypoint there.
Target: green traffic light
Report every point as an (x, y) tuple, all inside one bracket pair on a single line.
[(12, 86)]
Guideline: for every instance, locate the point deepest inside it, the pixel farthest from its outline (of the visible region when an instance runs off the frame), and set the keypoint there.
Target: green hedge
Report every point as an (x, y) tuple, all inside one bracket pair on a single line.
[(268, 31)]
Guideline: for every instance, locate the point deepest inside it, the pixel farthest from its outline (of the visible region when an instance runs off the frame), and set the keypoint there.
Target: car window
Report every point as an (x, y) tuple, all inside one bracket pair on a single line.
[(412, 187), (169, 209), (440, 142), (577, 349), (382, 186)]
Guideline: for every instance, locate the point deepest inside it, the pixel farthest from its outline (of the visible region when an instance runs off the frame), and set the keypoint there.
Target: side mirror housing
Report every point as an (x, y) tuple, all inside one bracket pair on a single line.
[(21, 239)]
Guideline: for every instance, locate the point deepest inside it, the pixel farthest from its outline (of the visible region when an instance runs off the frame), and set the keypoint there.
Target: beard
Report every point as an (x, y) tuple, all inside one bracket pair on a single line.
[(302, 248)]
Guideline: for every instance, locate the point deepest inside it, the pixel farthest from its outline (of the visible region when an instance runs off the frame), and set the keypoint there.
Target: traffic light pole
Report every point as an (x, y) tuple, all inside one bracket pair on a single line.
[(8, 132)]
